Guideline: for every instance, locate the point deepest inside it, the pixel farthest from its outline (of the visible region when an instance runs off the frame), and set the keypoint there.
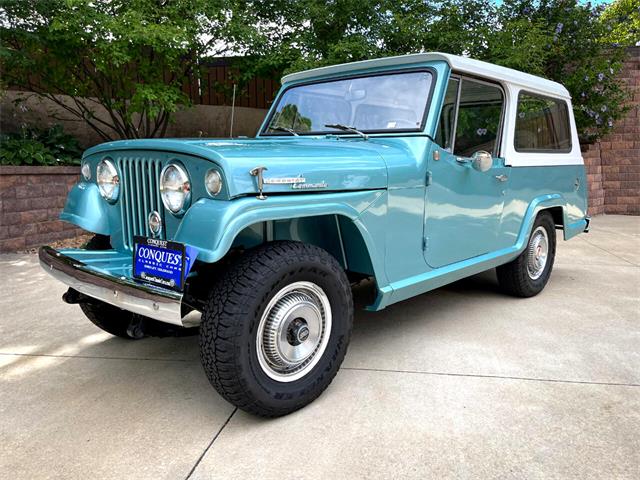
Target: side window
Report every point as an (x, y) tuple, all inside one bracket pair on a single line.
[(444, 134), (542, 124), (479, 115)]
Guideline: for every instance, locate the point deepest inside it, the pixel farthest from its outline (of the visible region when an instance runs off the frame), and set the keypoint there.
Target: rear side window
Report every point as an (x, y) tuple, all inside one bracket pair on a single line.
[(542, 124)]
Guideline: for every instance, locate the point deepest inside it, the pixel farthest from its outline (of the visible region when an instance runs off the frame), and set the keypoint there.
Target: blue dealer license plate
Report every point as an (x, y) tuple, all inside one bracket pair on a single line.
[(162, 262)]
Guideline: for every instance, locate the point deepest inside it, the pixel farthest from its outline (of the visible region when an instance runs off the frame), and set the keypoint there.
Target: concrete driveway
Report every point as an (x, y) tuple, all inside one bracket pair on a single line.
[(462, 382)]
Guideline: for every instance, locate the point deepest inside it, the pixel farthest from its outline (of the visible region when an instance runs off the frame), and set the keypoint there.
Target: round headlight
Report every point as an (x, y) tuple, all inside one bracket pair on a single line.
[(108, 180), (175, 188), (213, 182), (86, 171)]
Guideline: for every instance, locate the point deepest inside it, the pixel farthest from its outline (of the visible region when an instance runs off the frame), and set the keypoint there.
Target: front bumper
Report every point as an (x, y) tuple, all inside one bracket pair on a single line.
[(123, 292)]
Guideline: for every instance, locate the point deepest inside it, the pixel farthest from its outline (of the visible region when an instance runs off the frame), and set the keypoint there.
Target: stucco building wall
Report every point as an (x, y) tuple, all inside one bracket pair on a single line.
[(197, 121)]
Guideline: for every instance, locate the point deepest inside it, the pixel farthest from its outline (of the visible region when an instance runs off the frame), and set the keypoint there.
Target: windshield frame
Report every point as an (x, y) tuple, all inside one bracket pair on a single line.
[(264, 130)]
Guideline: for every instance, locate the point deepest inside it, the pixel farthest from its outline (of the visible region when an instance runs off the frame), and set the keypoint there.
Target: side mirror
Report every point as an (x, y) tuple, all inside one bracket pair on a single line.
[(481, 161)]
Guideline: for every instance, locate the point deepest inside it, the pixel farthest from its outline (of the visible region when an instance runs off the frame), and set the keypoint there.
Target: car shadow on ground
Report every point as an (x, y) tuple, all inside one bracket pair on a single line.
[(148, 365), (448, 299), (97, 344)]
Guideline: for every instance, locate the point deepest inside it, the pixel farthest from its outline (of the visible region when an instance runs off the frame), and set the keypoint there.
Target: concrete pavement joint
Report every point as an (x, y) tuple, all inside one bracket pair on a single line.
[(615, 232), (610, 253), (502, 377), (97, 357), (193, 469), (444, 374), (597, 265)]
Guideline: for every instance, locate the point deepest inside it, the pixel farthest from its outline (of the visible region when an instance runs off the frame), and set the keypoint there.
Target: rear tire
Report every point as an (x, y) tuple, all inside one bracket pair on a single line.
[(528, 274), (275, 328)]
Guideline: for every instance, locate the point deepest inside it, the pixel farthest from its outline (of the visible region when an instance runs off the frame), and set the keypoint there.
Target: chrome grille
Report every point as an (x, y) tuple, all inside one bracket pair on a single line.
[(139, 178)]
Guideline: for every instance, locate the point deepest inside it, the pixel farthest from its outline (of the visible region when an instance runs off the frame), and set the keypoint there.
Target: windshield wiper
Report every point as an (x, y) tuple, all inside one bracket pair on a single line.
[(346, 128), (284, 129)]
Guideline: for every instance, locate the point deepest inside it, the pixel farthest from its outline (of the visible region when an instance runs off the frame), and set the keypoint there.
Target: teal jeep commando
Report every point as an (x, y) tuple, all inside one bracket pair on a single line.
[(412, 171)]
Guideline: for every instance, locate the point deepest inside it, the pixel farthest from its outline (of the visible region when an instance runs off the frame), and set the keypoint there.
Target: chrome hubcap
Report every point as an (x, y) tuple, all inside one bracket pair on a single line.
[(538, 253), (294, 331)]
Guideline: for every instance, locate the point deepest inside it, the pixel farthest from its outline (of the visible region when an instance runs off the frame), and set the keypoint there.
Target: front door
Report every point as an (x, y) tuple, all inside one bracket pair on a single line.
[(463, 205)]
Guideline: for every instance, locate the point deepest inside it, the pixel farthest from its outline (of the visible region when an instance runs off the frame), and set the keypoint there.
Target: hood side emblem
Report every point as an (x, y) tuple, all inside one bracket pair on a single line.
[(258, 172)]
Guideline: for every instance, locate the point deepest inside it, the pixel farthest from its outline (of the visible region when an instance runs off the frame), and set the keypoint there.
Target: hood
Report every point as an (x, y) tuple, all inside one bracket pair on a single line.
[(318, 164)]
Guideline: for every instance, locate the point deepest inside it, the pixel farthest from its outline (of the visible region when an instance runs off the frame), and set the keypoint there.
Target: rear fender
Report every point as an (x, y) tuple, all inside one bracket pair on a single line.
[(556, 204)]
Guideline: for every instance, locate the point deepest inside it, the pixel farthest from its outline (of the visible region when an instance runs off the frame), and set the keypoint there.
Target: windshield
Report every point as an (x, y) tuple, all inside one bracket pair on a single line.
[(381, 103)]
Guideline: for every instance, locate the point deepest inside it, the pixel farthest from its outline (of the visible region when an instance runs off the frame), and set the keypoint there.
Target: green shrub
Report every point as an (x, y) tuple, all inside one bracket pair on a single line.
[(39, 147)]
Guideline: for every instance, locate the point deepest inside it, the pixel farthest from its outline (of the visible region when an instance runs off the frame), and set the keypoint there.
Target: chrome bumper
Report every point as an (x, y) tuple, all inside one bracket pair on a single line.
[(153, 302)]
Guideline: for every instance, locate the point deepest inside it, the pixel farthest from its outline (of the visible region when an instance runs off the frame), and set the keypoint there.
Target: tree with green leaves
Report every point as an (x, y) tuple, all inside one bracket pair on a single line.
[(623, 16), (564, 40), (296, 35), (118, 65), (130, 57)]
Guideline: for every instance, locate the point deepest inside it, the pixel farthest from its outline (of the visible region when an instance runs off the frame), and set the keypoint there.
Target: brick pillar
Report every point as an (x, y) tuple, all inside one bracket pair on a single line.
[(593, 165), (621, 148)]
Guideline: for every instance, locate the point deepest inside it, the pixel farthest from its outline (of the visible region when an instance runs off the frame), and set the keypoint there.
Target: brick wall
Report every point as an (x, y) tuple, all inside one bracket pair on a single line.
[(613, 164), (31, 199), (593, 166)]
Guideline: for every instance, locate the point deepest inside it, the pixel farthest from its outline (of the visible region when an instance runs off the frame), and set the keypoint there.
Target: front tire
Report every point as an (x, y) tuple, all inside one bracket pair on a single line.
[(276, 327), (528, 274)]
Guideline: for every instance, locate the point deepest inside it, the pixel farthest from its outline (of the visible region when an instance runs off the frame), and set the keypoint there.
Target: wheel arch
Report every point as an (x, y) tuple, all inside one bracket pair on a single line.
[(336, 233), (557, 213), (333, 222), (563, 219)]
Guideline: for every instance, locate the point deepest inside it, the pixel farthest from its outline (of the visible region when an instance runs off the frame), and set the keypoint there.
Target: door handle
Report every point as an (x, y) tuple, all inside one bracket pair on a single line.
[(502, 178)]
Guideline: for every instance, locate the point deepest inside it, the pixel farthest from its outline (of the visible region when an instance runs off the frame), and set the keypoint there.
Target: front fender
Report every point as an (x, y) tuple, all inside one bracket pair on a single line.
[(86, 208), (212, 225)]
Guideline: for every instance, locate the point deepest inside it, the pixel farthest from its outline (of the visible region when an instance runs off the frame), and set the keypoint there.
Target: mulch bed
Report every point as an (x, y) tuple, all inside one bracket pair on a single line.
[(75, 242)]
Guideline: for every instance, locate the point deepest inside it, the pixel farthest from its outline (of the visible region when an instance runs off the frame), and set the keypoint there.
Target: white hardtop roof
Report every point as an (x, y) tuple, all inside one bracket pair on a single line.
[(457, 63)]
